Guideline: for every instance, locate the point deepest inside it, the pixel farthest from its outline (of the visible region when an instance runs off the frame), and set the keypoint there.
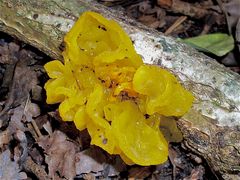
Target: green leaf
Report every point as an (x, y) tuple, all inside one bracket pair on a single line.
[(218, 44)]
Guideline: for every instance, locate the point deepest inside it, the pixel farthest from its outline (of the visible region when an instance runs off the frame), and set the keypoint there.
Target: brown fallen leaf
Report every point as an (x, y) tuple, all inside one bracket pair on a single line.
[(24, 79), (189, 9), (90, 160), (170, 130), (68, 128), (165, 3), (47, 126), (38, 170), (16, 120), (37, 93), (5, 138), (196, 174), (59, 154), (20, 151), (151, 21), (89, 176), (237, 34), (232, 7), (140, 172), (9, 170), (8, 53), (114, 167), (36, 155), (41, 120), (93, 161), (31, 110)]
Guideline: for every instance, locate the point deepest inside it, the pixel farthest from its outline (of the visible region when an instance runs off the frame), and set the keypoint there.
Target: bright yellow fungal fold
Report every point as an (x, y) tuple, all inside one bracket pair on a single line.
[(104, 86)]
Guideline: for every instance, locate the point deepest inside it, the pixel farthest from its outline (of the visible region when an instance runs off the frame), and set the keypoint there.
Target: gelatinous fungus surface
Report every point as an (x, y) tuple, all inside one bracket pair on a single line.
[(104, 86)]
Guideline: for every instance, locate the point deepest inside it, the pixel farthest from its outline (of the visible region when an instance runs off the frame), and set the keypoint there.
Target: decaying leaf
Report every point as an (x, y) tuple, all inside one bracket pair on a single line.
[(31, 110), (23, 80), (94, 160), (140, 172), (5, 137), (232, 7), (15, 122), (59, 154), (35, 168), (9, 170), (20, 151), (170, 130), (90, 160), (115, 167), (8, 53), (196, 174)]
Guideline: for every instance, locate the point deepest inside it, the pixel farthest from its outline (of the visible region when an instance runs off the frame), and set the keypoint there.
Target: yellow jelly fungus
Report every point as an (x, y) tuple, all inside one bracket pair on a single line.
[(164, 93), (104, 86)]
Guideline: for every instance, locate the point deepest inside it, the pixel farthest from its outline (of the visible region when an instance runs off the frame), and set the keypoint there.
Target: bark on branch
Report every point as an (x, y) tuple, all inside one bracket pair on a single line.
[(211, 128)]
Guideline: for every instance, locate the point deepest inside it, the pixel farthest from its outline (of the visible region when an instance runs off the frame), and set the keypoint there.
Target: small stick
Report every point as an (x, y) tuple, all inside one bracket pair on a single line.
[(179, 21), (35, 127), (38, 170)]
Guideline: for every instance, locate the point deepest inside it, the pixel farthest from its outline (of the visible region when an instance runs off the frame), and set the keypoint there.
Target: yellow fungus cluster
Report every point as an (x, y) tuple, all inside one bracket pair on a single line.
[(104, 86)]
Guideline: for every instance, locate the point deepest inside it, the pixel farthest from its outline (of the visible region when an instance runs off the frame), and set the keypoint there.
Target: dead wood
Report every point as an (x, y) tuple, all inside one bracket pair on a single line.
[(211, 128)]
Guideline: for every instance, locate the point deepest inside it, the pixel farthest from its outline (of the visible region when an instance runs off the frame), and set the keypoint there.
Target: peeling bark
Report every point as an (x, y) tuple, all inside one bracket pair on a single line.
[(211, 128)]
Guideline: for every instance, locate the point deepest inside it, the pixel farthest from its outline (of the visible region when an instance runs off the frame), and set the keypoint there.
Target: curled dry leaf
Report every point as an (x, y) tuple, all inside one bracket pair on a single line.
[(59, 154), (41, 120), (47, 126)]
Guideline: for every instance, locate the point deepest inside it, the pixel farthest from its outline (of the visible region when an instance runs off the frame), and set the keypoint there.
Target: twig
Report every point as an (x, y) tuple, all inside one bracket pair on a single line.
[(34, 168), (179, 21), (35, 127)]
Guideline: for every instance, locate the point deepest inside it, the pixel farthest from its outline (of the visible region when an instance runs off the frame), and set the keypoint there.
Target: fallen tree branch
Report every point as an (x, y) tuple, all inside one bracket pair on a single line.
[(211, 128)]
